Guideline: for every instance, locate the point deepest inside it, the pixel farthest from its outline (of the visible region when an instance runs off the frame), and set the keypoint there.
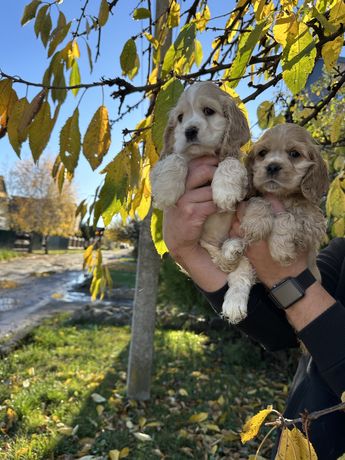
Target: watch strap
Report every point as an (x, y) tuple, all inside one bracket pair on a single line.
[(305, 279)]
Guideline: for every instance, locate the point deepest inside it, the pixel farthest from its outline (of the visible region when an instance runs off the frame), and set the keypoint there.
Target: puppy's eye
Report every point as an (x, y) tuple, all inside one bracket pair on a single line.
[(180, 118), (208, 111), (294, 154), (262, 153)]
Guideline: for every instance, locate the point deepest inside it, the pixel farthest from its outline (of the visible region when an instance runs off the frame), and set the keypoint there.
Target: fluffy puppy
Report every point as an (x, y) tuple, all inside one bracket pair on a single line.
[(205, 121), (286, 163)]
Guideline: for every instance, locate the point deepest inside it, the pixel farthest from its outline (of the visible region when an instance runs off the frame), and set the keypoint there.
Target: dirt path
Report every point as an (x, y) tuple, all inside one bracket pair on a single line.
[(44, 286)]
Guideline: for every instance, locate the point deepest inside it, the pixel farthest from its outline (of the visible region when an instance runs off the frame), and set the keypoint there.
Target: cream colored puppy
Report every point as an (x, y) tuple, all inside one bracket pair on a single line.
[(205, 121), (286, 163)]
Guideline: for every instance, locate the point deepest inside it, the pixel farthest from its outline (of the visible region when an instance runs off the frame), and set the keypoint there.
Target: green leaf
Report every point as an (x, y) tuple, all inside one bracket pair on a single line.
[(141, 13), (89, 53), (298, 59), (46, 27), (30, 11), (183, 48), (41, 15), (129, 59), (57, 37), (74, 77), (103, 14), (70, 142), (40, 130), (97, 137), (337, 127), (13, 124), (247, 44), (166, 100), (266, 114), (157, 233), (59, 80)]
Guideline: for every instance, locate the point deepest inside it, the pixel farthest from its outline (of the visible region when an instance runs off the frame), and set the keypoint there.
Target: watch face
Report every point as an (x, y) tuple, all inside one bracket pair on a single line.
[(287, 293)]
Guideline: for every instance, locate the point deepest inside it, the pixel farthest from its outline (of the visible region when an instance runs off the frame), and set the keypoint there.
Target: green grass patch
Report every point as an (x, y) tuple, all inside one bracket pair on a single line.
[(123, 272), (64, 392), (8, 254)]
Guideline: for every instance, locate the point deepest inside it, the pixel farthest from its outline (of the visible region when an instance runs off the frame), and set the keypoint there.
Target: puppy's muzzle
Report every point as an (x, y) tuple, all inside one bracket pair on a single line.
[(273, 169), (191, 133)]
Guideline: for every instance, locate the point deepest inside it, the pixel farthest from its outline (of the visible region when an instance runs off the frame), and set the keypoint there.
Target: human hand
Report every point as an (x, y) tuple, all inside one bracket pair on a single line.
[(269, 271), (183, 223)]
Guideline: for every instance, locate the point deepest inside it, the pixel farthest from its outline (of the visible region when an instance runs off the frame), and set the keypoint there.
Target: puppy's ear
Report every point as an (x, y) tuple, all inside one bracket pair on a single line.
[(237, 130), (315, 183), (168, 137), (248, 163)]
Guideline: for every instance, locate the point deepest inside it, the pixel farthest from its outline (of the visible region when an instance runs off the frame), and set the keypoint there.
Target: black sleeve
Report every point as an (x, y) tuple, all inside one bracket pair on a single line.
[(325, 336), (325, 340), (264, 322)]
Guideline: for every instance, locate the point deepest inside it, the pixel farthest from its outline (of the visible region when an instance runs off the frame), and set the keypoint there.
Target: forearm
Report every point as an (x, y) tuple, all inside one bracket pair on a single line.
[(315, 302), (197, 263)]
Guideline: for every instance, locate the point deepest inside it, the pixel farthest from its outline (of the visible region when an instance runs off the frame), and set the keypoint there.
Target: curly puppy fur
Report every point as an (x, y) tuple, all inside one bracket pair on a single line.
[(285, 162), (205, 121)]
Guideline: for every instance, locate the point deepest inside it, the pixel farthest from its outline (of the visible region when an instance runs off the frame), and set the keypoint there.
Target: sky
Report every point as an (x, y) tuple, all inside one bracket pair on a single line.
[(23, 55)]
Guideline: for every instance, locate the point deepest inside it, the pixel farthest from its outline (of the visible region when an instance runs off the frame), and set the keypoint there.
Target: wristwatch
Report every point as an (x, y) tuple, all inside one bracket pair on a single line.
[(290, 290)]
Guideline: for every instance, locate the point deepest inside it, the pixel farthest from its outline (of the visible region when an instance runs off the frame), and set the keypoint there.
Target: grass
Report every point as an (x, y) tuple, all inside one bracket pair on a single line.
[(8, 254), (62, 396), (123, 272)]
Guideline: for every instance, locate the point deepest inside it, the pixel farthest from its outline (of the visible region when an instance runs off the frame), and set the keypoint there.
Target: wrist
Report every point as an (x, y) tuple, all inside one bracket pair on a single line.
[(315, 302)]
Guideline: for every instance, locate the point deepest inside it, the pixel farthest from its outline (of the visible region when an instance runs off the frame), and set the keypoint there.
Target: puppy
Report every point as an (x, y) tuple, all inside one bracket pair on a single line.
[(286, 163), (205, 121)]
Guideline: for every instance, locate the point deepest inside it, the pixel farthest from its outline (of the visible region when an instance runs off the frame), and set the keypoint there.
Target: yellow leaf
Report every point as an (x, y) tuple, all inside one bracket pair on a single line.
[(152, 40), (124, 452), (183, 392), (285, 24), (294, 445), (143, 437), (331, 51), (99, 409), (343, 397), (335, 204), (337, 13), (201, 19), (157, 232), (70, 142), (338, 227), (174, 14), (213, 427), (40, 130), (299, 59), (263, 9), (336, 127), (252, 426), (198, 418), (97, 138)]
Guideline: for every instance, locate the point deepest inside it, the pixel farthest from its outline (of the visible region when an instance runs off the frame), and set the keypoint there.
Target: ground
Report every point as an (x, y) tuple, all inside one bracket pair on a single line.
[(33, 287)]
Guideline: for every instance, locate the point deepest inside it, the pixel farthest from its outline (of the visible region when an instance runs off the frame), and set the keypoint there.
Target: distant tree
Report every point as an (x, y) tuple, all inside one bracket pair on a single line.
[(124, 232), (37, 204)]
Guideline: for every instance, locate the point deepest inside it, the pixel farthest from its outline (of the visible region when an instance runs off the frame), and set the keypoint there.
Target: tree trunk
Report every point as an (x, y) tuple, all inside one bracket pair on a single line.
[(144, 309), (143, 322)]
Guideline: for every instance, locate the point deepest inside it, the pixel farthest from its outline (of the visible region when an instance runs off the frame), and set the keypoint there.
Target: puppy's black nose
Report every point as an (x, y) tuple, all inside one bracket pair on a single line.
[(191, 133), (273, 168)]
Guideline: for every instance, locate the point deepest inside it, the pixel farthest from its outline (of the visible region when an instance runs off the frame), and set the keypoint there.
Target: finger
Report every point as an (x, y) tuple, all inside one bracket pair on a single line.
[(199, 176), (241, 209), (204, 160), (198, 195)]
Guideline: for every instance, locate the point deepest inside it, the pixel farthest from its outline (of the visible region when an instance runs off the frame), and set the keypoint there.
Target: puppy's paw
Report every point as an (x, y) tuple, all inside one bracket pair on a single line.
[(234, 307), (168, 179), (229, 184), (233, 249)]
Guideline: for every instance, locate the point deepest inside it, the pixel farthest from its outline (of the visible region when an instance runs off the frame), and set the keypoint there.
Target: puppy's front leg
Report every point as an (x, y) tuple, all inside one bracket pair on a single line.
[(282, 241), (229, 184), (257, 222), (168, 179)]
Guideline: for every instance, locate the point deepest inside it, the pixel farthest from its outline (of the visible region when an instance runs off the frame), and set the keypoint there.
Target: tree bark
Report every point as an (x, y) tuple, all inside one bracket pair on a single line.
[(144, 309)]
